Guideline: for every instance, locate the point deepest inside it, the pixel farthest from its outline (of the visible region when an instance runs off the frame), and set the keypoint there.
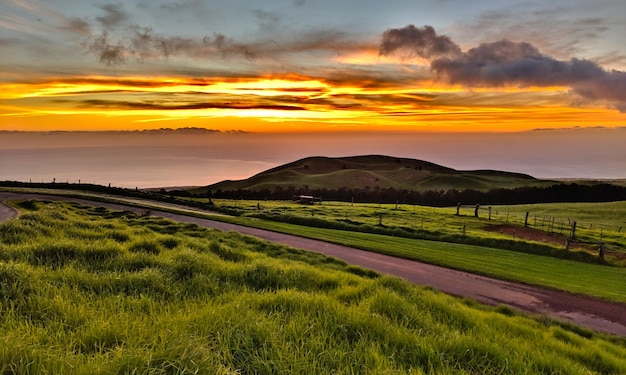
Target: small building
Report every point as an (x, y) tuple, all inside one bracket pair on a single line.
[(306, 199)]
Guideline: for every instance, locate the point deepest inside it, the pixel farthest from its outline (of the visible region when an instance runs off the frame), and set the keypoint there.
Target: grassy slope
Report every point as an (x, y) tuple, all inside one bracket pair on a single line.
[(89, 291), (373, 171), (515, 266)]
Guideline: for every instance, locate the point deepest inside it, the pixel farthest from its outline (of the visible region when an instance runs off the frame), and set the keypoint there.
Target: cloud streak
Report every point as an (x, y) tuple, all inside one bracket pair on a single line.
[(148, 105), (507, 63)]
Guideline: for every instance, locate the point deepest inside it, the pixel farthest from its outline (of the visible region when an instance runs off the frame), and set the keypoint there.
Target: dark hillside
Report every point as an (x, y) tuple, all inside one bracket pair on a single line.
[(372, 172)]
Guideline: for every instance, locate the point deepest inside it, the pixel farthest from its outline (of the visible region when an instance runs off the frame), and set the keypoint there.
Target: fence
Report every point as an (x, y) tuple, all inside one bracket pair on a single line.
[(575, 232)]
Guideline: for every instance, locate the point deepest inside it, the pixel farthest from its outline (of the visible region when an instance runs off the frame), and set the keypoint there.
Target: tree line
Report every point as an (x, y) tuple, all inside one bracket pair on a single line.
[(562, 192)]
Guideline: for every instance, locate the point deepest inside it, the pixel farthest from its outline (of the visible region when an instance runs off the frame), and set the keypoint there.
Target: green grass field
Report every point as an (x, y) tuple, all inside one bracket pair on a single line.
[(596, 222), (90, 291), (578, 277)]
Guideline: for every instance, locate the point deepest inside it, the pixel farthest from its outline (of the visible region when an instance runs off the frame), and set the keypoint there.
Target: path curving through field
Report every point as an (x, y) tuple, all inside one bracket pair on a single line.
[(593, 313)]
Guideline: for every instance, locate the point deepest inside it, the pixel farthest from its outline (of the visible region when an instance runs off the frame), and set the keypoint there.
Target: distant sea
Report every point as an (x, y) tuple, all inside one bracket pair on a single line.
[(178, 158)]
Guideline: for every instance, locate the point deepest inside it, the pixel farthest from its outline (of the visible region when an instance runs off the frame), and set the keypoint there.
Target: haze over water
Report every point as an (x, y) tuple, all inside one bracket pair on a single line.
[(131, 159)]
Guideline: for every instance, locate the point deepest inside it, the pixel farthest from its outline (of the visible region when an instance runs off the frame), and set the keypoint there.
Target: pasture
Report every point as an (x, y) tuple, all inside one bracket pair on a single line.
[(547, 224), (91, 291)]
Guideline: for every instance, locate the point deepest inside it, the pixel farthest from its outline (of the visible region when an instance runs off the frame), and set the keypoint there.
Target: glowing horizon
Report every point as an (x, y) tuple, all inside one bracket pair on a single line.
[(287, 104)]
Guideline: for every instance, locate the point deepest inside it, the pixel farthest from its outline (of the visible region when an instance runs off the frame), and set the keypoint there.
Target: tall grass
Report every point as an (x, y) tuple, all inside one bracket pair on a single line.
[(86, 291)]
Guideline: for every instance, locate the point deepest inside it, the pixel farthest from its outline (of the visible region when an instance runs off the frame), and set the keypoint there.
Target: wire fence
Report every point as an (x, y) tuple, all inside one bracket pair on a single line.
[(602, 235)]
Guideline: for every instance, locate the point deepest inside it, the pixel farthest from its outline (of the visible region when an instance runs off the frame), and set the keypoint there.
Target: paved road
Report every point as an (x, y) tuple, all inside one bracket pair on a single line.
[(585, 311)]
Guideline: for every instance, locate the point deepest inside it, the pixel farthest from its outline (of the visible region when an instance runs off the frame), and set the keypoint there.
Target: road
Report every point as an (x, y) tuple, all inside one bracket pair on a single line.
[(593, 313)]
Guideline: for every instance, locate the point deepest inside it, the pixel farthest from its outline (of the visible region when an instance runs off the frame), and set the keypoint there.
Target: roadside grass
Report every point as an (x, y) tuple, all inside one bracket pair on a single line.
[(91, 291)]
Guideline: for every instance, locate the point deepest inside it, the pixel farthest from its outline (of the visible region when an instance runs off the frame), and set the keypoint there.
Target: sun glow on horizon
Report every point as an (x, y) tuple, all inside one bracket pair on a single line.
[(288, 103)]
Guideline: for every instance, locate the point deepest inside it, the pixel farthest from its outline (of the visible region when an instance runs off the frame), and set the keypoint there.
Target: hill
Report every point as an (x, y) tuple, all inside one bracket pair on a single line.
[(374, 172)]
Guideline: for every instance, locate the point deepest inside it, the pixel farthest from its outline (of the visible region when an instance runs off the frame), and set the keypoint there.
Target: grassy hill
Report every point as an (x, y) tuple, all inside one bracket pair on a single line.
[(86, 290), (375, 171)]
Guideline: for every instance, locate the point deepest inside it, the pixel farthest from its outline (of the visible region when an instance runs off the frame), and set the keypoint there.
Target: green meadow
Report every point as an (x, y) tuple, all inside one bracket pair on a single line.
[(87, 290), (596, 222)]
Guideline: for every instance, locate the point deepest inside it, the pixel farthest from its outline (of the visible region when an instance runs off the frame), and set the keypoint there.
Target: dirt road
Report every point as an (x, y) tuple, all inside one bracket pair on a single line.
[(593, 313)]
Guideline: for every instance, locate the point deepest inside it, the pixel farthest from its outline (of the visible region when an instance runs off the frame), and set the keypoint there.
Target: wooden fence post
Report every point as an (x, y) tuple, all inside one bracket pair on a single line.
[(489, 212), (573, 233), (601, 251), (458, 208), (476, 209), (526, 219)]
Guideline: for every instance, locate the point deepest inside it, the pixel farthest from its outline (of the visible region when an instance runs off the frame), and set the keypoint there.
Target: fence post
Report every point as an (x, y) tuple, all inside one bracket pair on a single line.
[(476, 209), (458, 208), (463, 230), (380, 219), (573, 233), (601, 251), (489, 212), (526, 219)]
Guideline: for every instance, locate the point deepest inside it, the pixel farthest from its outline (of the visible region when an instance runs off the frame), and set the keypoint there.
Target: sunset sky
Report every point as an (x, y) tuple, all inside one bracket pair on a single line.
[(304, 65)]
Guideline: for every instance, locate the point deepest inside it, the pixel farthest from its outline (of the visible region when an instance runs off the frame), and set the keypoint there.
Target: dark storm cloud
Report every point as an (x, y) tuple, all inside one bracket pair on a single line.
[(505, 62), (509, 63), (114, 16), (420, 41)]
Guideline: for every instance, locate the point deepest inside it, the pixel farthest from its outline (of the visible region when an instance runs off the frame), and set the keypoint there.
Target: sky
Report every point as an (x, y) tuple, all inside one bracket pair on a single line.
[(312, 66), (536, 87)]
